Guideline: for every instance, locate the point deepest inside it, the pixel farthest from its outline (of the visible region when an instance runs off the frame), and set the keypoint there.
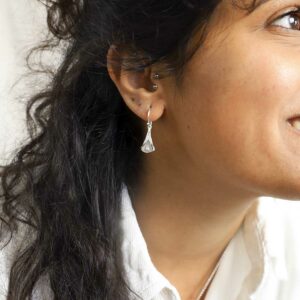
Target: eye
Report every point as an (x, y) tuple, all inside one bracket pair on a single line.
[(289, 20)]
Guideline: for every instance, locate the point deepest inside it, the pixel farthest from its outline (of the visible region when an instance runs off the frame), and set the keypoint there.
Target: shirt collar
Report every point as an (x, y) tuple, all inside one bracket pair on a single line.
[(261, 236), (142, 275)]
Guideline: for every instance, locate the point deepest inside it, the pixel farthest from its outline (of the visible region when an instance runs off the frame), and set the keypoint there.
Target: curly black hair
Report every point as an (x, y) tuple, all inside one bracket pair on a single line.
[(65, 183)]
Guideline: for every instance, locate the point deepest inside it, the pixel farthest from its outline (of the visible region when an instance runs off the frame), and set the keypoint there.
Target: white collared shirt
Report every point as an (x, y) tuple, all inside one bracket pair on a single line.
[(261, 261)]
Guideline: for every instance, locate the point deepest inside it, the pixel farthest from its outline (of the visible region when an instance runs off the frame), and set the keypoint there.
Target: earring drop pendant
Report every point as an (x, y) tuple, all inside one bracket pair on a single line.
[(148, 146)]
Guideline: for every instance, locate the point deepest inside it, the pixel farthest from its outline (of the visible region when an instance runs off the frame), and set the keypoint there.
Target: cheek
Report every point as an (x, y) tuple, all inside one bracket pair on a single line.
[(236, 111)]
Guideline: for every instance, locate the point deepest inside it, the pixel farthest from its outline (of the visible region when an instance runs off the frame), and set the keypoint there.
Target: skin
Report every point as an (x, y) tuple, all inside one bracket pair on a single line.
[(222, 138)]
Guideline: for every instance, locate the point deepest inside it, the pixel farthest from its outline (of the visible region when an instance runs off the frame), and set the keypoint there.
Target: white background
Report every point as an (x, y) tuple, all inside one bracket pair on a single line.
[(22, 26)]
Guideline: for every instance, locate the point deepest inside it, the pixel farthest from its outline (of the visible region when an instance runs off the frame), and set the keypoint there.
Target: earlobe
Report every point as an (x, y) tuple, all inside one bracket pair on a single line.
[(139, 103)]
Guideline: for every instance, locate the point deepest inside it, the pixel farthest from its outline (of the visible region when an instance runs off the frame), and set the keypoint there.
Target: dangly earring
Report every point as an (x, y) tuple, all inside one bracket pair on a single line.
[(148, 146)]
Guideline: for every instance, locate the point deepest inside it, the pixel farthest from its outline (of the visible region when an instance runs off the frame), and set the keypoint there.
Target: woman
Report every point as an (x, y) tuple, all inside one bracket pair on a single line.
[(151, 150)]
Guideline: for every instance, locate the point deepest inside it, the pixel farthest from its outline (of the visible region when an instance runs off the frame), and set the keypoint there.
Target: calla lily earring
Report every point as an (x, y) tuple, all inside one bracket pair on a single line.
[(148, 146)]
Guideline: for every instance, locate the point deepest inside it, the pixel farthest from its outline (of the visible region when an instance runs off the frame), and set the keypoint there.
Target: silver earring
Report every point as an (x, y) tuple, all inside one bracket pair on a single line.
[(156, 76), (148, 146)]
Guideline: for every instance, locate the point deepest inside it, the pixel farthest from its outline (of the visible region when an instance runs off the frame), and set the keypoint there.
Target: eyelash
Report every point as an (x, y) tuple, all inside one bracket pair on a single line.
[(295, 13)]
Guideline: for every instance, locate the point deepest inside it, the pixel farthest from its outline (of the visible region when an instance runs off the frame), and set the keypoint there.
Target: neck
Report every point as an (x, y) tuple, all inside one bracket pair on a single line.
[(187, 222)]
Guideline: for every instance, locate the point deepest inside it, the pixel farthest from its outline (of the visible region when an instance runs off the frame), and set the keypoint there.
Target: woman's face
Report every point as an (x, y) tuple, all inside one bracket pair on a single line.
[(239, 90)]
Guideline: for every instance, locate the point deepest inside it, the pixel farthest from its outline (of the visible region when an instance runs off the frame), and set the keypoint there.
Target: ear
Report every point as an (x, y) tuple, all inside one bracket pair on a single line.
[(136, 87)]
